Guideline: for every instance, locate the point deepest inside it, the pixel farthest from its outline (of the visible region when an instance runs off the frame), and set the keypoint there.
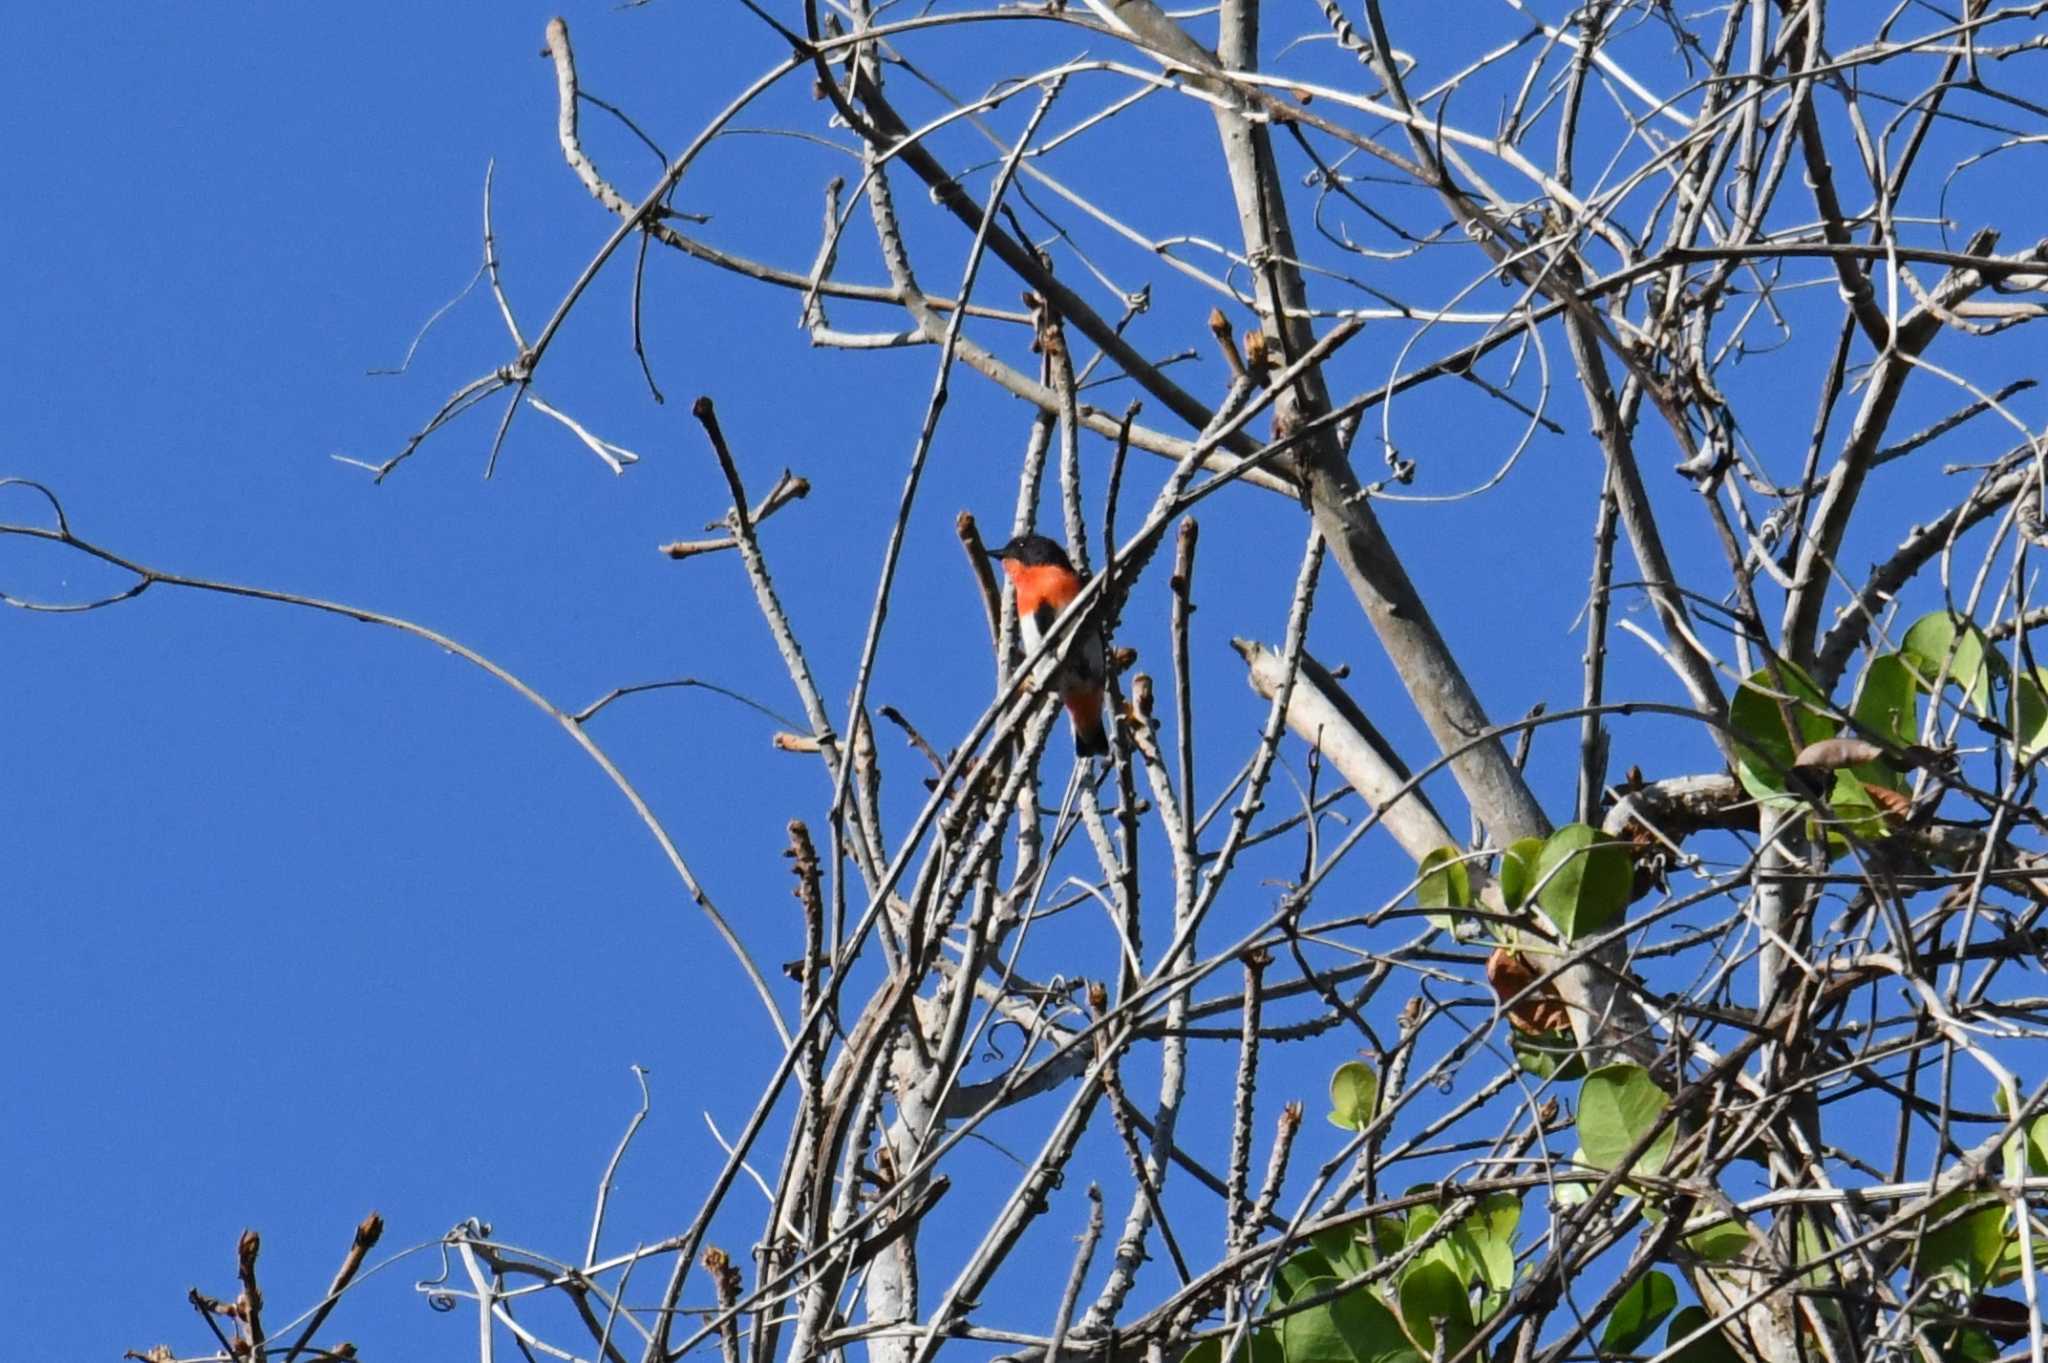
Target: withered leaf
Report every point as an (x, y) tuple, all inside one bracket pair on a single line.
[(1536, 1013), (1832, 754)]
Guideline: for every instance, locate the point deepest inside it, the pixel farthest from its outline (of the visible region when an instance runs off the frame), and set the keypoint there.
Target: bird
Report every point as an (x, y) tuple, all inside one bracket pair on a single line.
[(1046, 583)]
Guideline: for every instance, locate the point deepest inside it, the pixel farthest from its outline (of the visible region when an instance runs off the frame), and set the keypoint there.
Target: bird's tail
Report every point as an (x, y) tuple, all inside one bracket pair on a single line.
[(1084, 708)]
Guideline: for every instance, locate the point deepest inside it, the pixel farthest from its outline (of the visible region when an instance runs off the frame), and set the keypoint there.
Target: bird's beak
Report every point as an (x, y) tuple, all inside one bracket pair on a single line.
[(1000, 552)]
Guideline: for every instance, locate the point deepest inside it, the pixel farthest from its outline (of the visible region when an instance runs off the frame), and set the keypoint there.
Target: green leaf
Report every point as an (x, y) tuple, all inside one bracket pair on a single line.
[(1940, 644), (1764, 747), (1887, 703), (1420, 1222), (1422, 1217), (1261, 1346), (1341, 1247), (1518, 870), (2012, 1261), (1354, 1095), (1853, 812), (1496, 1266), (1386, 1236), (1708, 1348), (1583, 880), (1491, 1230), (1455, 1250), (1718, 1244), (1640, 1311), (1572, 1192), (1966, 1248), (1554, 1055), (1303, 1268), (1431, 1292), (2015, 1150), (1460, 1253), (1446, 881), (1617, 1105), (2030, 712), (1497, 1217), (1354, 1327), (1814, 1244), (2033, 1138)]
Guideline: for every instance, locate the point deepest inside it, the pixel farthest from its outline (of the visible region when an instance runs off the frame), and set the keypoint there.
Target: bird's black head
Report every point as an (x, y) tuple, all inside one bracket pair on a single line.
[(1033, 551)]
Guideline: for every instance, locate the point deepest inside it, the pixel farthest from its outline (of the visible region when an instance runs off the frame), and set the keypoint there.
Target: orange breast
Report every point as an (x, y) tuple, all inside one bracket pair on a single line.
[(1042, 584)]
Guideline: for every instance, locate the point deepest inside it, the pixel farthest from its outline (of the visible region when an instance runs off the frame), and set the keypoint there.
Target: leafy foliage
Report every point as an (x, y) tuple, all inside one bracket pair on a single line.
[(1518, 870), (1619, 1106), (1583, 880), (1453, 1277), (1759, 713), (1354, 1094), (1446, 883), (1942, 648), (1640, 1311)]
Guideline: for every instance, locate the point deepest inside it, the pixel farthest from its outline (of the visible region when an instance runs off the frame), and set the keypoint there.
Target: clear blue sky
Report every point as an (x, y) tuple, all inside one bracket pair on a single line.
[(305, 918)]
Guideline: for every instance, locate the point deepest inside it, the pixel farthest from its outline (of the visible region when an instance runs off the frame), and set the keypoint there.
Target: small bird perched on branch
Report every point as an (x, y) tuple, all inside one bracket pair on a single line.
[(1046, 584)]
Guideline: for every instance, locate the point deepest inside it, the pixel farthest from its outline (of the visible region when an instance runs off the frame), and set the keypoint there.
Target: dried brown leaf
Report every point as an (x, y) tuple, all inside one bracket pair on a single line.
[(1832, 754), (1537, 1012)]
